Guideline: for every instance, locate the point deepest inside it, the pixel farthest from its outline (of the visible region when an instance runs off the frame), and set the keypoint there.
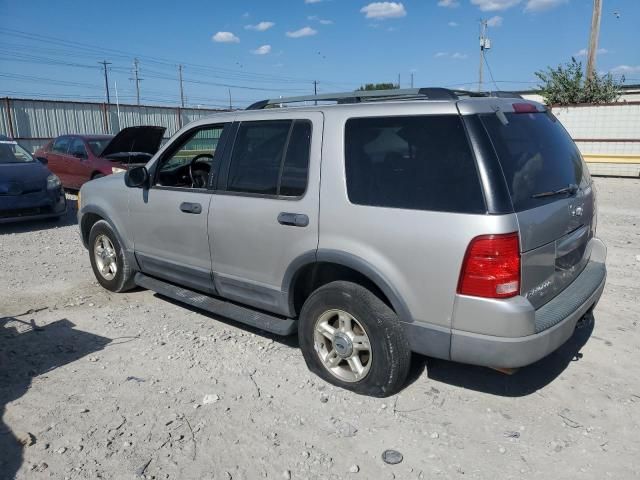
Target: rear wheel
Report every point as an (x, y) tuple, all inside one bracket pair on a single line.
[(352, 339), (108, 260)]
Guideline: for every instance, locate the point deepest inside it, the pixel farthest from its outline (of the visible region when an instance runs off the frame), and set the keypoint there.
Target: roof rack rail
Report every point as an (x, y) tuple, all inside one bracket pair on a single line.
[(430, 93)]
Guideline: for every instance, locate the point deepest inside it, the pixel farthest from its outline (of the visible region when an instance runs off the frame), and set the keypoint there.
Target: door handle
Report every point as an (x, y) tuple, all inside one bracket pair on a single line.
[(293, 219), (188, 207)]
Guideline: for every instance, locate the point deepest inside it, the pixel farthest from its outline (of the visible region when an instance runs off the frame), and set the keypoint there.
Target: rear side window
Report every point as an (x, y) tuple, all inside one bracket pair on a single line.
[(293, 182), (418, 163), (271, 158), (537, 155), (61, 145)]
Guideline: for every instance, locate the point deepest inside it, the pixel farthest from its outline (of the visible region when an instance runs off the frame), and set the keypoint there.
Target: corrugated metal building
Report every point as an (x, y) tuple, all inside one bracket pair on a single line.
[(35, 122)]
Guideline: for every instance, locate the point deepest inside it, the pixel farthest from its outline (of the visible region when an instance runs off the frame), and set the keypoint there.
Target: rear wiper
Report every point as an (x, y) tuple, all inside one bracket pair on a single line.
[(570, 189)]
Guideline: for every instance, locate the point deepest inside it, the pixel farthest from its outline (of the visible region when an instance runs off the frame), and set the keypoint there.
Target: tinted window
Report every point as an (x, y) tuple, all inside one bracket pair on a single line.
[(537, 155), (419, 162), (257, 155), (296, 164), (61, 145), (77, 148)]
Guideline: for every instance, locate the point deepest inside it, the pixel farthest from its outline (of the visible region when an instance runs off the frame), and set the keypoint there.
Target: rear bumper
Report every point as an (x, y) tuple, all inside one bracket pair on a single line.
[(555, 323)]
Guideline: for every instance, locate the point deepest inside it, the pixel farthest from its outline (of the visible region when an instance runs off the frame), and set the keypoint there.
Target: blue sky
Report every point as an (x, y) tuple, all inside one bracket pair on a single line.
[(262, 49)]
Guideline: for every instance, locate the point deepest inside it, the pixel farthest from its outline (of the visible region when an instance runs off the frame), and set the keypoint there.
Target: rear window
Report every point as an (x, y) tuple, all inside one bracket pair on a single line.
[(417, 162), (537, 155)]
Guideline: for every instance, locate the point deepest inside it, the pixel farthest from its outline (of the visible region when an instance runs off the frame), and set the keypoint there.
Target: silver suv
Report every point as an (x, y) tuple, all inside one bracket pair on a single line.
[(375, 224)]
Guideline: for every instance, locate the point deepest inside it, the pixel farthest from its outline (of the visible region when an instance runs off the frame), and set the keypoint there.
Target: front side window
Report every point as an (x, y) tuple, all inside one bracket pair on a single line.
[(77, 149), (417, 163), (190, 163), (271, 158), (61, 145)]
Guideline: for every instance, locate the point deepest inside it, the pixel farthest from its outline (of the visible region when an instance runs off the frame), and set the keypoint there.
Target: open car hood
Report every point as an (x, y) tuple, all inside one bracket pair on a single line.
[(146, 139)]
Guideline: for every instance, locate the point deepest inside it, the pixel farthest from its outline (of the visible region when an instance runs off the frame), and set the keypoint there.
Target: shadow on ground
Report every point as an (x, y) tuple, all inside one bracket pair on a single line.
[(525, 381), (26, 352)]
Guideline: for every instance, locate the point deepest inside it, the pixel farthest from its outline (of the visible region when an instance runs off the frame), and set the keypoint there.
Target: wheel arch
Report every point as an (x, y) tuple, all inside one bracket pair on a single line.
[(336, 265)]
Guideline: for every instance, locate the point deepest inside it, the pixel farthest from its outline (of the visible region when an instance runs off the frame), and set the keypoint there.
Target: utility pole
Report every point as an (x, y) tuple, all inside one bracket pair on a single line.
[(485, 44), (315, 90), (230, 106), (104, 63), (412, 80), (181, 88), (398, 81), (136, 78), (593, 38)]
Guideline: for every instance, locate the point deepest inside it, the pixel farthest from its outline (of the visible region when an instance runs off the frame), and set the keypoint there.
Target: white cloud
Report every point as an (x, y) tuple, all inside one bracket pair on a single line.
[(583, 52), (540, 5), (625, 69), (383, 10), (262, 50), (322, 21), (495, 5), (453, 24), (225, 37), (303, 32), (495, 21), (260, 27), (312, 1), (455, 55), (449, 3)]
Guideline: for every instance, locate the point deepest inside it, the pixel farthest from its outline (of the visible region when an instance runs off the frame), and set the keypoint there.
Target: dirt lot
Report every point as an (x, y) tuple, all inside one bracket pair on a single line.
[(101, 385)]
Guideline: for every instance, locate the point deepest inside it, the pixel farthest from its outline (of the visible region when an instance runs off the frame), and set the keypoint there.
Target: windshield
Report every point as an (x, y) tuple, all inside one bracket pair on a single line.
[(11, 152), (537, 156), (97, 144)]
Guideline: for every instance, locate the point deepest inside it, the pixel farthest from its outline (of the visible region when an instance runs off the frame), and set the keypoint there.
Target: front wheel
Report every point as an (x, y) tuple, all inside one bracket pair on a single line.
[(352, 339), (108, 260)]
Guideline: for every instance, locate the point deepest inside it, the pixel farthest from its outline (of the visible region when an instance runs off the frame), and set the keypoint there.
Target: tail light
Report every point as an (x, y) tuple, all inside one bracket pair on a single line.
[(524, 108), (491, 267)]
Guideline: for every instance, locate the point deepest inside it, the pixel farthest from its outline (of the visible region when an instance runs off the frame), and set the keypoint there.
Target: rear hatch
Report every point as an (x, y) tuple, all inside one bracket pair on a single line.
[(552, 196)]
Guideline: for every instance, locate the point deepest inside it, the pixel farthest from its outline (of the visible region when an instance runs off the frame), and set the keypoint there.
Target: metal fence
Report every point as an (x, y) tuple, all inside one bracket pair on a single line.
[(34, 122)]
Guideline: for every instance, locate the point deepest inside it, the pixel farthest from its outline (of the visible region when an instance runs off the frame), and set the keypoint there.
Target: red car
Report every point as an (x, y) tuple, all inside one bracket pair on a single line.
[(76, 159)]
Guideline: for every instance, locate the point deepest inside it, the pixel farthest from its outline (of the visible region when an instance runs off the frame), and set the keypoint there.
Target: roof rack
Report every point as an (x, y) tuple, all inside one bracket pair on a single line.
[(431, 93)]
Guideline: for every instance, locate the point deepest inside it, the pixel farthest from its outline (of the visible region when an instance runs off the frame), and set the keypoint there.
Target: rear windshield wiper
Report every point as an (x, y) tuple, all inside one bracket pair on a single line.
[(570, 189)]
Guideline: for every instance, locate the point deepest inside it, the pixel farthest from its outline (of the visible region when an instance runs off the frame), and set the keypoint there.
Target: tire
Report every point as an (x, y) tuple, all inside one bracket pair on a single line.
[(119, 280), (385, 366), (97, 175)]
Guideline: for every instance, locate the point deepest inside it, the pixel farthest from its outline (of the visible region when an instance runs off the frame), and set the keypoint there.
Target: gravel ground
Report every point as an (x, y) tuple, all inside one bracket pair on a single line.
[(102, 385)]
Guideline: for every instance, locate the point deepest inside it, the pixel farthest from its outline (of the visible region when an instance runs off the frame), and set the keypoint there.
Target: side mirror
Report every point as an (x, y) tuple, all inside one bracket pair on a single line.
[(42, 160), (136, 177)]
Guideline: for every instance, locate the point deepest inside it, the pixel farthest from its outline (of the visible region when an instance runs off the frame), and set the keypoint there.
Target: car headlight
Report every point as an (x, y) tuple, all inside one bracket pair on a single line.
[(117, 170), (53, 182)]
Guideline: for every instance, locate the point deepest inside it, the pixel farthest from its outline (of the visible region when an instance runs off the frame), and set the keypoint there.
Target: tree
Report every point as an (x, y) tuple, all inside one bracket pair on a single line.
[(378, 86), (567, 85)]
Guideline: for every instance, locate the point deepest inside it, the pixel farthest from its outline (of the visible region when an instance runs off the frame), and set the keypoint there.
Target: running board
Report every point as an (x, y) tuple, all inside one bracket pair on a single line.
[(263, 321)]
